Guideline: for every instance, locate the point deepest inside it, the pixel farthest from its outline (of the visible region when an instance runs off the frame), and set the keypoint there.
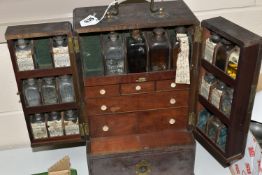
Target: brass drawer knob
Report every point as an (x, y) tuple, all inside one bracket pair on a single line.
[(172, 121), (138, 88), (105, 128), (173, 85), (102, 91), (103, 107), (172, 101)]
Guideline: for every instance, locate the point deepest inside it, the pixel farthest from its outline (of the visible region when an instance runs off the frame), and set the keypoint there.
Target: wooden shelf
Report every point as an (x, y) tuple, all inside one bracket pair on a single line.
[(218, 73), (214, 110), (44, 72), (50, 108)]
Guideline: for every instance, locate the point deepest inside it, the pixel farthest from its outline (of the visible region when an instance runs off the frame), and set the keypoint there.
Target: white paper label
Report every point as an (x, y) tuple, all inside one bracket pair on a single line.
[(89, 20), (71, 128), (24, 60), (209, 50), (216, 97), (39, 130), (183, 70), (205, 88), (61, 57), (55, 128)]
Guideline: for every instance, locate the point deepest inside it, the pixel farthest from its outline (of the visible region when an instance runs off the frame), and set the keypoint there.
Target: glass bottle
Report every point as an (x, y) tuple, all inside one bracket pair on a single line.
[(216, 93), (114, 54), (71, 123), (54, 124), (183, 56), (24, 55), (159, 50), (223, 53), (60, 51), (233, 62), (203, 117), (136, 52), (210, 47), (208, 80), (31, 92), (49, 93), (66, 89), (226, 101), (38, 126)]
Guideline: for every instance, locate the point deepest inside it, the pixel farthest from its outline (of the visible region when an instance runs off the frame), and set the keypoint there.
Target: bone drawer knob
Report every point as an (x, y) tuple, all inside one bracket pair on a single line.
[(102, 91), (172, 101), (105, 128), (172, 121), (173, 85), (103, 107), (138, 88)]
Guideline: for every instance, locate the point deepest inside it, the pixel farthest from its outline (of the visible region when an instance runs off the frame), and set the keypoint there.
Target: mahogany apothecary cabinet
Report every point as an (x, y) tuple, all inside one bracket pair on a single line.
[(147, 122)]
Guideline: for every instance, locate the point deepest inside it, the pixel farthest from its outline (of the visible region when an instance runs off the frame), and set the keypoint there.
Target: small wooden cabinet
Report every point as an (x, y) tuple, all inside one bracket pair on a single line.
[(145, 123)]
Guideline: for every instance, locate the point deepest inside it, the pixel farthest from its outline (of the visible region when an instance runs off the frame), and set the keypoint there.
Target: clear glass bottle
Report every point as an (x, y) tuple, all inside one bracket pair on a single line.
[(211, 44), (223, 53), (159, 50), (208, 80), (71, 122), (233, 62), (38, 126), (136, 52), (203, 117), (114, 54), (24, 55), (54, 124), (48, 89), (216, 93), (66, 89), (31, 92), (226, 101), (60, 51)]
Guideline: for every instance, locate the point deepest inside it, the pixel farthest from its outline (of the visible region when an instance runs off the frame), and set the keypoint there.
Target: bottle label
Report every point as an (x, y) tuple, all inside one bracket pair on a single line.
[(205, 88), (55, 128), (61, 56), (216, 97), (24, 60), (209, 50), (183, 70), (39, 130), (71, 128)]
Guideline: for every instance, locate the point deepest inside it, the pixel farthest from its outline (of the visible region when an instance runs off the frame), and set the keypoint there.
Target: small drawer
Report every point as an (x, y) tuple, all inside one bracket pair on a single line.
[(170, 85), (137, 102), (137, 87), (102, 91)]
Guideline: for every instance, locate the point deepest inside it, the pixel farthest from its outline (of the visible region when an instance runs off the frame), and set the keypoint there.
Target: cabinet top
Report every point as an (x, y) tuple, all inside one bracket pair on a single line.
[(136, 16), (232, 31), (38, 30)]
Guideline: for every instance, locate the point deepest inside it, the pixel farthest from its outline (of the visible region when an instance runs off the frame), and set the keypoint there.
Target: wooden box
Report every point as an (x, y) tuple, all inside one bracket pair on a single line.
[(145, 123)]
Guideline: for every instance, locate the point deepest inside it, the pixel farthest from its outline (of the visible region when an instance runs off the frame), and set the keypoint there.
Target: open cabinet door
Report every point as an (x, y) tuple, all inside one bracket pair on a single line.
[(229, 65)]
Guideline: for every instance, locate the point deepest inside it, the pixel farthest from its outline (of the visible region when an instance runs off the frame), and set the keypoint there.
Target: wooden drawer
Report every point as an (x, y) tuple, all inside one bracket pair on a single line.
[(137, 87), (138, 122), (102, 91), (170, 85), (137, 102), (174, 160)]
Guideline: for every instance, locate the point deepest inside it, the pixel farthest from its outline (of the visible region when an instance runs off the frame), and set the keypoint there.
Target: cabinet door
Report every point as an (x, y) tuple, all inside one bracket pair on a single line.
[(229, 66)]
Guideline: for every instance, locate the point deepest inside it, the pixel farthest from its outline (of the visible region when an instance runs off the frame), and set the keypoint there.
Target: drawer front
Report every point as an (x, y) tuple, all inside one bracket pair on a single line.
[(138, 122), (179, 161), (170, 85), (102, 91), (137, 87), (137, 102)]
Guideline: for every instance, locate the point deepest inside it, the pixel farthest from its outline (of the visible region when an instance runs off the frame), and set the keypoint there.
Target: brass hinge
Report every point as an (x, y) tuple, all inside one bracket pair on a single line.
[(198, 34), (84, 129), (70, 45), (76, 45), (192, 119)]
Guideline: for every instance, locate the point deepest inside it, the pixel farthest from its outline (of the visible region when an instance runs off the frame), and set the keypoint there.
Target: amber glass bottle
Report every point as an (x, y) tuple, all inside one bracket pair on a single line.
[(136, 52), (223, 53)]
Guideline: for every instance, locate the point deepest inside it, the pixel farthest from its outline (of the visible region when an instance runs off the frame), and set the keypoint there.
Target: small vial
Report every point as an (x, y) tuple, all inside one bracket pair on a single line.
[(223, 53), (31, 92), (226, 101), (66, 89), (60, 51), (54, 124), (208, 80), (210, 47), (71, 122), (216, 93), (38, 126), (203, 117), (49, 93)]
